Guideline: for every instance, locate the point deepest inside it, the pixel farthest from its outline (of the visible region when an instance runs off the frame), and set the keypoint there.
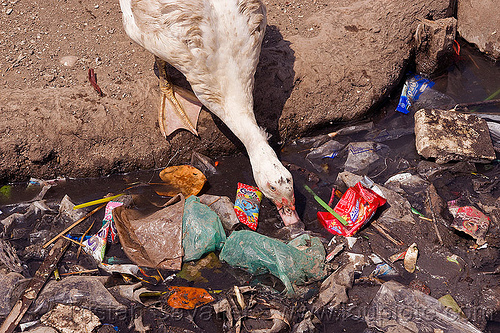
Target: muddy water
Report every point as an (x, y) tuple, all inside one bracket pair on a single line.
[(471, 78)]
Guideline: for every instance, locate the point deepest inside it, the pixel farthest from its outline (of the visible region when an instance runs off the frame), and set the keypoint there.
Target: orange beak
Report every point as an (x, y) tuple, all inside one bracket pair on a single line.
[(287, 211)]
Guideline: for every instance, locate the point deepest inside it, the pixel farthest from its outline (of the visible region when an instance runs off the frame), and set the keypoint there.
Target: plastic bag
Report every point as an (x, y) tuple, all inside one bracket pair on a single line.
[(397, 308), (362, 155), (470, 220), (300, 260), (202, 229), (153, 240), (329, 149)]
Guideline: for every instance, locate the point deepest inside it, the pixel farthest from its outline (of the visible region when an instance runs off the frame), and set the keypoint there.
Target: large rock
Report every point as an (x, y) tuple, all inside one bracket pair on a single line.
[(321, 62), (478, 24), (452, 136)]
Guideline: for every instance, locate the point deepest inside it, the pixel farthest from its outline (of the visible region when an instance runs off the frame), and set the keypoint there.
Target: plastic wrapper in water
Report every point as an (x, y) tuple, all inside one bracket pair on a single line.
[(203, 163), (362, 155), (397, 308), (154, 240), (412, 90), (329, 149), (469, 220), (298, 261), (384, 270), (132, 270), (96, 245), (357, 206), (188, 297), (202, 230), (224, 208), (85, 291)]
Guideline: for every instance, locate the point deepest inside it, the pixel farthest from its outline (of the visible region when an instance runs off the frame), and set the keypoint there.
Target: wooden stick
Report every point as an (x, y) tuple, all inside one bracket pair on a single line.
[(73, 225), (35, 285), (81, 272), (482, 103), (71, 240), (434, 217), (381, 230), (81, 240)]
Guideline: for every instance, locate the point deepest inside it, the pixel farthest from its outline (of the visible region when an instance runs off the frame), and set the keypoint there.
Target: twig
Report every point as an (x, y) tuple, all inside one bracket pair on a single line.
[(481, 103), (429, 200), (93, 81), (381, 230), (81, 272), (81, 240), (473, 61), (73, 225)]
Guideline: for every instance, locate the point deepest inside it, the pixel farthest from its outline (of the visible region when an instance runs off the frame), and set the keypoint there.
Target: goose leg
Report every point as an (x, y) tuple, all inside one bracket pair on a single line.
[(179, 108)]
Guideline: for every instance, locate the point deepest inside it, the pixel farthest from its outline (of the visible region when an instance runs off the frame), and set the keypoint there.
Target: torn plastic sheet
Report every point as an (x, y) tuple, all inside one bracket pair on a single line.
[(202, 230), (297, 262), (154, 240)]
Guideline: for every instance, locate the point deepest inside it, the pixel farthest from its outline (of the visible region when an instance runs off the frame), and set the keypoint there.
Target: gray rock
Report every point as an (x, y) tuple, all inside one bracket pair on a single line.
[(449, 135), (7, 285)]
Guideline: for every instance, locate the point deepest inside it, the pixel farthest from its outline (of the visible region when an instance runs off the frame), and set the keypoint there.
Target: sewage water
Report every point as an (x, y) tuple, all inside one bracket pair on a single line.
[(471, 78)]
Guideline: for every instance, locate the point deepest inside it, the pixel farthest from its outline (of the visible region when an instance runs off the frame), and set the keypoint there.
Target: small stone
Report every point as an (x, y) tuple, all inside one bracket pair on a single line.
[(68, 61), (9, 11), (71, 319)]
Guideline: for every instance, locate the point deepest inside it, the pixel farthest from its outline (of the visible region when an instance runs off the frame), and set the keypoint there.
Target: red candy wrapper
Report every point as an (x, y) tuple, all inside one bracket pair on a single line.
[(357, 206), (469, 220), (247, 205)]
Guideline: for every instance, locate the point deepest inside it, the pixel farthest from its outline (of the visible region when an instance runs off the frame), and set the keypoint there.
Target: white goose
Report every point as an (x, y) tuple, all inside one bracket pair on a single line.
[(216, 45)]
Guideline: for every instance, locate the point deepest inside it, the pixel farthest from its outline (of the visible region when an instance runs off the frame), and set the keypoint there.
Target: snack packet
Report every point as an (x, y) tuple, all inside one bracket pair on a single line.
[(247, 205), (96, 245), (412, 90), (470, 220), (357, 206)]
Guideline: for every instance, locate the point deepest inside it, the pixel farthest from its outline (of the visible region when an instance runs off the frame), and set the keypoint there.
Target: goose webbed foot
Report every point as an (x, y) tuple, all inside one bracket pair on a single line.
[(179, 108)]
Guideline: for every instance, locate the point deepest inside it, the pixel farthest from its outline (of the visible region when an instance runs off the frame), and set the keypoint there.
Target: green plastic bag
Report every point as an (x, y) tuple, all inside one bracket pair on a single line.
[(297, 262), (202, 230)]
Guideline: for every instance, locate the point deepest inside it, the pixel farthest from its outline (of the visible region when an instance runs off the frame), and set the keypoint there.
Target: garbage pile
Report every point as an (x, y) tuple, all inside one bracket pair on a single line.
[(400, 232)]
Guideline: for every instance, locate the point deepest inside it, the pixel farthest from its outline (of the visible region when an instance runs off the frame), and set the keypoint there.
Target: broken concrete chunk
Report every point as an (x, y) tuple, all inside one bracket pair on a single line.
[(449, 135), (434, 44), (71, 319)]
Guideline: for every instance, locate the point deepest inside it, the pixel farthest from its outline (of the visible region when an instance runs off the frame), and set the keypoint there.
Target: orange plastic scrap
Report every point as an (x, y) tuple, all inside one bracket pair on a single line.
[(188, 298)]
